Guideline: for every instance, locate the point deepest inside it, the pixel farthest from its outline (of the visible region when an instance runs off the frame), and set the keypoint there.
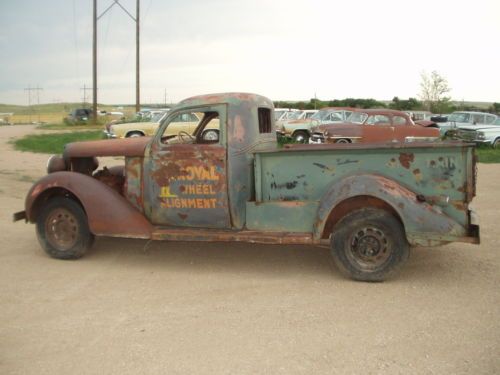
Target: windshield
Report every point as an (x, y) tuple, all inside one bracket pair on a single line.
[(278, 114), (358, 117), (329, 115), (459, 117), (294, 115)]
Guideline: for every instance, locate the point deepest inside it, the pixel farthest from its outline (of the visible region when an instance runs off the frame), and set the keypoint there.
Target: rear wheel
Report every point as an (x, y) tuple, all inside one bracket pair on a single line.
[(369, 244), (62, 229)]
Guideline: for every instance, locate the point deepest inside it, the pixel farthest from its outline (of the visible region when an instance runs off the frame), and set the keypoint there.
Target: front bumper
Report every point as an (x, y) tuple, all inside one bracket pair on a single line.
[(317, 138), (109, 134)]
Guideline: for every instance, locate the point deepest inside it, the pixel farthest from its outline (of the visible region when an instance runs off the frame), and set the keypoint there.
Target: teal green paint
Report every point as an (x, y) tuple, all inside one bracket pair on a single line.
[(306, 175), (281, 216)]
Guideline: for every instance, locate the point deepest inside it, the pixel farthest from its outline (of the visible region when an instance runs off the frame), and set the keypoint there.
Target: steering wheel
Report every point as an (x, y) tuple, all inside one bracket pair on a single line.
[(182, 134)]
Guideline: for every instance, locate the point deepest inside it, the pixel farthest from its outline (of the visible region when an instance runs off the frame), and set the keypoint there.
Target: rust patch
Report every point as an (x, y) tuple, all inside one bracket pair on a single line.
[(406, 159), (182, 216)]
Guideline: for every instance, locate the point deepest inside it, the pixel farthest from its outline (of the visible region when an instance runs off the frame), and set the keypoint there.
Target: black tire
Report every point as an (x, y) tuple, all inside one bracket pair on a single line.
[(63, 230), (496, 143), (301, 136), (343, 140), (369, 244)]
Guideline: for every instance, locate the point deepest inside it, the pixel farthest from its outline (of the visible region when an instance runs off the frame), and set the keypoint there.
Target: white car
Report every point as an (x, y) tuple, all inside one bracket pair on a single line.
[(466, 119), (479, 134)]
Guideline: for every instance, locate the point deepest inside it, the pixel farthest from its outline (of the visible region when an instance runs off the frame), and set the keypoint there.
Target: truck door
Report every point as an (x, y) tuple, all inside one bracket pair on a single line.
[(185, 175)]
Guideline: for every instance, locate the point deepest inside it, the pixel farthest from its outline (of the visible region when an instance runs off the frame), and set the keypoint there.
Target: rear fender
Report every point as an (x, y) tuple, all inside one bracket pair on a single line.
[(108, 213), (424, 223)]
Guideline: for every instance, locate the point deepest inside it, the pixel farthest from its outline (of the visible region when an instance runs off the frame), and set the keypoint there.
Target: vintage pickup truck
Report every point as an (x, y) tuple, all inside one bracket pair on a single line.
[(369, 203)]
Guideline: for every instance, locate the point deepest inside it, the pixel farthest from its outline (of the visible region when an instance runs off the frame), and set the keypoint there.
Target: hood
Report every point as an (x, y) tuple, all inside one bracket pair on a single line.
[(480, 127), (109, 147), (425, 123)]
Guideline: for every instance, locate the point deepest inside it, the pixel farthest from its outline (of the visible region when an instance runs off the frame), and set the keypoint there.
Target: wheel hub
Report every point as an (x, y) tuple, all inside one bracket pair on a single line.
[(370, 247), (61, 228)]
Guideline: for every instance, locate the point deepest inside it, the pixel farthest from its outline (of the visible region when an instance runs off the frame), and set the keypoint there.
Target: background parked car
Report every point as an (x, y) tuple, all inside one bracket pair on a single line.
[(375, 126), (79, 115), (300, 130), (461, 119), (480, 134), (183, 125)]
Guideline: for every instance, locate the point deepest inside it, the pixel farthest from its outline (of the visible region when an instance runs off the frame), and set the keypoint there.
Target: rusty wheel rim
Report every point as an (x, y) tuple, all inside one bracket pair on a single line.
[(61, 229), (369, 248)]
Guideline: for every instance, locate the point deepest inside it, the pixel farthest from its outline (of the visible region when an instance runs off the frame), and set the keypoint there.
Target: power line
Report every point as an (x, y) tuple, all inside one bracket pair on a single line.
[(85, 89), (29, 89)]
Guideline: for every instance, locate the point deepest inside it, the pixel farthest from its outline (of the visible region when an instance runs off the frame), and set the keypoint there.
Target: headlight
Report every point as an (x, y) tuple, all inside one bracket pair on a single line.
[(480, 135)]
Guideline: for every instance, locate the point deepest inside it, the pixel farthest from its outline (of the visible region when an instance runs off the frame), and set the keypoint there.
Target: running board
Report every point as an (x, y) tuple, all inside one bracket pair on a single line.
[(218, 235)]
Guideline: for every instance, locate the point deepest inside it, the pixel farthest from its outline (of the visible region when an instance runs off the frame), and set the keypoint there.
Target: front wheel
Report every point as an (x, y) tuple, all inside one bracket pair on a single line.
[(62, 229), (134, 135), (369, 244), (496, 143), (343, 140), (301, 136)]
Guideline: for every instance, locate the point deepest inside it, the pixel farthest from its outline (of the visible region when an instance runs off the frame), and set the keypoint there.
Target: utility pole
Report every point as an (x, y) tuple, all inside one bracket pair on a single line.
[(29, 89), (137, 50), (137, 61), (94, 65)]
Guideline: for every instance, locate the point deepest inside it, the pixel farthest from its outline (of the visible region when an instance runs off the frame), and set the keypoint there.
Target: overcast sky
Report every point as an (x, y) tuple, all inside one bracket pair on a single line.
[(286, 50)]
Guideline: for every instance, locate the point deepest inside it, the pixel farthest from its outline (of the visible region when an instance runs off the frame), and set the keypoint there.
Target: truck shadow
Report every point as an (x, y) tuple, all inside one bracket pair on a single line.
[(215, 257), (270, 260)]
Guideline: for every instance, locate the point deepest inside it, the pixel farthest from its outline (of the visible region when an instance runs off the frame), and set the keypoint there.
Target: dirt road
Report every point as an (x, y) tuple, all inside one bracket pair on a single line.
[(133, 307)]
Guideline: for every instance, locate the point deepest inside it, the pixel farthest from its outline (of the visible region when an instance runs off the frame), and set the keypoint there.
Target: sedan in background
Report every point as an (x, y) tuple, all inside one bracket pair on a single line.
[(300, 130), (376, 126)]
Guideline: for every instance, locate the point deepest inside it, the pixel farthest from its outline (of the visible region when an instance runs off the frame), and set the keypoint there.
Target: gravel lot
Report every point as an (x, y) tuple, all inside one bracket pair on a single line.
[(133, 307)]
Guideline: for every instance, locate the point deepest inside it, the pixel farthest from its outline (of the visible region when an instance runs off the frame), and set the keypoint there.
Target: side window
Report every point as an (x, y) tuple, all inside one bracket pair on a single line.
[(477, 119), (264, 120), (489, 119), (192, 127), (398, 120), (370, 120), (378, 120)]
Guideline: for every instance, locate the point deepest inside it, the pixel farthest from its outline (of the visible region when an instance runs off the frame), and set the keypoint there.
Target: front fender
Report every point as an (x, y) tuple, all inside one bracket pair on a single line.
[(424, 223), (108, 213)]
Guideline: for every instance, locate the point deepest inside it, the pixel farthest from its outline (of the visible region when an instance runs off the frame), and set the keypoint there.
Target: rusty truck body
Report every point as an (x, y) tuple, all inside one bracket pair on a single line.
[(369, 203)]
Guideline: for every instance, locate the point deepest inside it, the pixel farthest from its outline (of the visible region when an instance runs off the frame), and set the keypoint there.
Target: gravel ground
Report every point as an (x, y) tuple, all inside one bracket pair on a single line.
[(133, 307)]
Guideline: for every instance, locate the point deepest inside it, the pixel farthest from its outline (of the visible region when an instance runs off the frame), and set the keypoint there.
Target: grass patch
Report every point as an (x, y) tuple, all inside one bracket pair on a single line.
[(487, 154), (53, 143)]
